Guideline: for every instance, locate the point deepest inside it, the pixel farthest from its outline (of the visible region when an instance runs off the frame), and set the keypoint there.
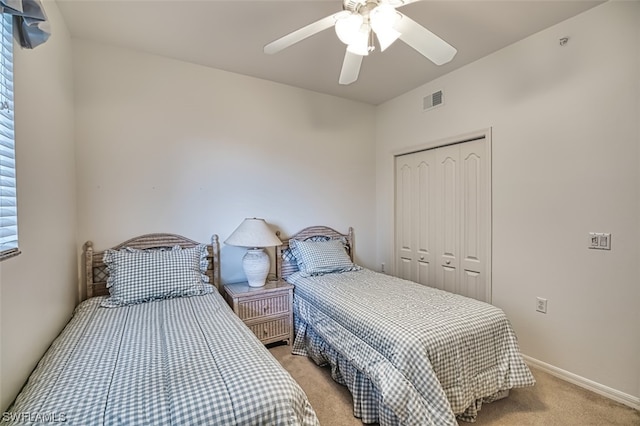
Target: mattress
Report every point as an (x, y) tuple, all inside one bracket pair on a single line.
[(409, 354), (182, 361)]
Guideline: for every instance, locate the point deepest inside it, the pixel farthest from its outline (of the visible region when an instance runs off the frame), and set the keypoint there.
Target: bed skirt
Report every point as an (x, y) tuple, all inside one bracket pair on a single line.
[(368, 404)]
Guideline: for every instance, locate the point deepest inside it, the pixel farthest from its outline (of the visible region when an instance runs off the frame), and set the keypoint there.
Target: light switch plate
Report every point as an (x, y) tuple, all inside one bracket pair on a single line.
[(599, 241)]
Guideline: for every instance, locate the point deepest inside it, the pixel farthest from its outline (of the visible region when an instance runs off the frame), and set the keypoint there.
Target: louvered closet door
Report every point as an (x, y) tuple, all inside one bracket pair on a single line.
[(442, 218)]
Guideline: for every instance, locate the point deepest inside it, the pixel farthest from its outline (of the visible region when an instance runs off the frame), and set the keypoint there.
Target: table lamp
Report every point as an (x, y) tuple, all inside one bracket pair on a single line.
[(254, 234)]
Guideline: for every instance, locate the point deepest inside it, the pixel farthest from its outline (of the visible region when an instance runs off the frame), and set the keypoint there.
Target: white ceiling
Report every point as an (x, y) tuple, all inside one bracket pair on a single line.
[(230, 35)]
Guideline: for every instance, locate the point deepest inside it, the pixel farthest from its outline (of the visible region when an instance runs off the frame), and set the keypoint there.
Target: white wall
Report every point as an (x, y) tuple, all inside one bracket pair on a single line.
[(168, 146), (566, 162), (38, 287)]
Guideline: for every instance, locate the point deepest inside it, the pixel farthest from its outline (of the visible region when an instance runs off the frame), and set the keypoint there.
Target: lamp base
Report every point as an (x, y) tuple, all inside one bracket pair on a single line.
[(256, 266)]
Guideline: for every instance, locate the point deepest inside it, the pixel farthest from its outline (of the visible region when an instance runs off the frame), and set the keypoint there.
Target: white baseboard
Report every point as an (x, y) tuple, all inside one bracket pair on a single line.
[(616, 395)]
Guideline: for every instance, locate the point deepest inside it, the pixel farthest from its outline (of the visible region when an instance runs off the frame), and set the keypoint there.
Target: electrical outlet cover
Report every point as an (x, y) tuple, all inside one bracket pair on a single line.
[(541, 305)]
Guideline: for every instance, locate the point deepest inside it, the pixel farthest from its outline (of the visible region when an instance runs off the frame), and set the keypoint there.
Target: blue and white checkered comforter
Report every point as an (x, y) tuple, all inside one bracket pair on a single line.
[(409, 354), (182, 361)]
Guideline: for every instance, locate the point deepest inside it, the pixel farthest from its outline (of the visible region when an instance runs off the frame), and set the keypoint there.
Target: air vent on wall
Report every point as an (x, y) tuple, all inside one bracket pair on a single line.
[(433, 100)]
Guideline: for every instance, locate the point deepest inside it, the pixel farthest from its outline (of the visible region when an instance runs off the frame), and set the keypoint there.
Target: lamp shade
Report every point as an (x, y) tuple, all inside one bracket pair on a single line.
[(383, 19), (347, 27), (360, 43), (253, 233)]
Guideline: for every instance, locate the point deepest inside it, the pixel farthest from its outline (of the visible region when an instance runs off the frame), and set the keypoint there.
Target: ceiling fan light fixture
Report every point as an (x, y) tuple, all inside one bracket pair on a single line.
[(386, 38), (359, 23), (360, 43), (383, 18), (348, 28)]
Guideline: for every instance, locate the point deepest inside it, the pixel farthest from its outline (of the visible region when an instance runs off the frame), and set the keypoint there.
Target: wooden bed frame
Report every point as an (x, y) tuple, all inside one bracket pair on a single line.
[(285, 268), (96, 271)]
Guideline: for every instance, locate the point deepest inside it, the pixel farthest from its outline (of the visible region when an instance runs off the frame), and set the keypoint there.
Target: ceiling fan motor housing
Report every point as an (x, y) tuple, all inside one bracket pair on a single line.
[(353, 5)]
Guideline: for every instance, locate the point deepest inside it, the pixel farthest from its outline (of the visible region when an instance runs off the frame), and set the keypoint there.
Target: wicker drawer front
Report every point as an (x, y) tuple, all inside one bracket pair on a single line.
[(256, 308), (269, 329)]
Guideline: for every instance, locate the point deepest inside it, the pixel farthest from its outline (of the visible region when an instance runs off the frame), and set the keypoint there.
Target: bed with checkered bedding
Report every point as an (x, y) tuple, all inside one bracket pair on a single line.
[(409, 354), (179, 361), (163, 349)]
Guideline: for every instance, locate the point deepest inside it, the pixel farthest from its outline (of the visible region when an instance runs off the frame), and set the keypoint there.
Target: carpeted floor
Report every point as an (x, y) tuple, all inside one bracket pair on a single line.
[(550, 402)]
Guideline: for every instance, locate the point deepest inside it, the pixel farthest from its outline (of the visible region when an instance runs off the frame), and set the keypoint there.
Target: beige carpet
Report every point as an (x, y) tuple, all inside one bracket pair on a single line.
[(550, 402)]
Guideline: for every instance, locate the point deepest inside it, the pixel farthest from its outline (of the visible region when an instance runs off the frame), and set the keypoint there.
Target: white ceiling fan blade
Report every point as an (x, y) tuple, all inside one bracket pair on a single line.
[(424, 41), (302, 33), (350, 68)]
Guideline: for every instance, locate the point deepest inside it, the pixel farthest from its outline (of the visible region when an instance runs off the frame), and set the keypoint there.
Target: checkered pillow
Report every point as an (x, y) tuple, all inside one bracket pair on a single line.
[(289, 262), (137, 276), (321, 257)]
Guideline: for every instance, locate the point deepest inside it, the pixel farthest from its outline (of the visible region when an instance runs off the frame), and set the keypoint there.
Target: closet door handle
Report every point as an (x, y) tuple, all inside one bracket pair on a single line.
[(448, 262), (421, 257)]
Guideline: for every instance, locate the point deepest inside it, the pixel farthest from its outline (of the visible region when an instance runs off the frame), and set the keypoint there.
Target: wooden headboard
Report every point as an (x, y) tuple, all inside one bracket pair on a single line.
[(96, 271), (284, 267)]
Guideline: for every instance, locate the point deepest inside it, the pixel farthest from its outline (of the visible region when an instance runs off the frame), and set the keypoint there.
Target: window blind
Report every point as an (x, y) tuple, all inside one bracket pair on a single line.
[(8, 202)]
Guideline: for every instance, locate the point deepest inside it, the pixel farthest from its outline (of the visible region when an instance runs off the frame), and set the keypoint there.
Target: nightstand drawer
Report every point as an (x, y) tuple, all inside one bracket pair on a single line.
[(267, 306), (276, 328), (267, 310)]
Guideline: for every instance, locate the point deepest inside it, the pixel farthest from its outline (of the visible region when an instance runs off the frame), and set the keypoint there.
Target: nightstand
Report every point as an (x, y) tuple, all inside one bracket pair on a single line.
[(267, 310)]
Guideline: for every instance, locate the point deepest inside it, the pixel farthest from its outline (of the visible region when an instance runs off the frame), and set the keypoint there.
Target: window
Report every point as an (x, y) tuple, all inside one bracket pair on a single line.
[(8, 204)]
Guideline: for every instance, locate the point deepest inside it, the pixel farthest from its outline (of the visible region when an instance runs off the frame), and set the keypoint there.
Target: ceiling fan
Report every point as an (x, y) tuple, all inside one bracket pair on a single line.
[(356, 25)]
